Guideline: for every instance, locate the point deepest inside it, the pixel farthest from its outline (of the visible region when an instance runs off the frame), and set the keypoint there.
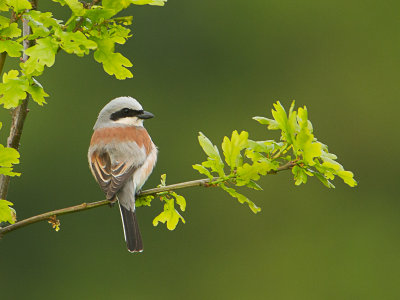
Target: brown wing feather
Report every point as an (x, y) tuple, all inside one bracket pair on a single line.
[(111, 178)]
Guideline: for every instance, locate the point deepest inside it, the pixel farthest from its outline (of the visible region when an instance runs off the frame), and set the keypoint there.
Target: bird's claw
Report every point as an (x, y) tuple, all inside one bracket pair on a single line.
[(112, 203)]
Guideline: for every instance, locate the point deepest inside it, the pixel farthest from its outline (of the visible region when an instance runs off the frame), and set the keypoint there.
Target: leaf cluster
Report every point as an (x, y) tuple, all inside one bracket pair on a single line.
[(245, 161), (90, 28), (7, 213), (170, 215), (300, 144)]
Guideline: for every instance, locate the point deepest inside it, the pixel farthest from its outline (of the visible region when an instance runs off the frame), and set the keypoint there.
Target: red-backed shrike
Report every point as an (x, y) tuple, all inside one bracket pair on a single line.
[(121, 158)]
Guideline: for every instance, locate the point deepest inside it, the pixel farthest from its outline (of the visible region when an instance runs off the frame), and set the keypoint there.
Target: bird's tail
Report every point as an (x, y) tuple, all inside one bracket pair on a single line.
[(132, 234)]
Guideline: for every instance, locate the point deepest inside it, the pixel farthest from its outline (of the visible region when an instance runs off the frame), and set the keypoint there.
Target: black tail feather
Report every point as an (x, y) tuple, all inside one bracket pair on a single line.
[(133, 237)]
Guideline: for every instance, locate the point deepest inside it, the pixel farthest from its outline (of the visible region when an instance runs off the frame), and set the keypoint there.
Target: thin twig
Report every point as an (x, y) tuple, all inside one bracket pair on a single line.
[(284, 167), (85, 206)]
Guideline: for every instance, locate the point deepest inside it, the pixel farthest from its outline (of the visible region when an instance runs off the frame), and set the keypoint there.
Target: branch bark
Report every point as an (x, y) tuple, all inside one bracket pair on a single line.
[(19, 114), (85, 206)]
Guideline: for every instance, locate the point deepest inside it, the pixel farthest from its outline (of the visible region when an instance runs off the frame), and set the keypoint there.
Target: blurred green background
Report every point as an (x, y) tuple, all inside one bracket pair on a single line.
[(210, 66)]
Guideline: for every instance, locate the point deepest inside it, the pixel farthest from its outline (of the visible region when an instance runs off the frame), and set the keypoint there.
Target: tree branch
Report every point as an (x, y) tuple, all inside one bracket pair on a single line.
[(19, 114), (85, 206)]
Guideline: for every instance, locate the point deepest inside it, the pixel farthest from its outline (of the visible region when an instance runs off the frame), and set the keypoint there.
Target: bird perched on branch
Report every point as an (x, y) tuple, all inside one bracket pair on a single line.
[(121, 157)]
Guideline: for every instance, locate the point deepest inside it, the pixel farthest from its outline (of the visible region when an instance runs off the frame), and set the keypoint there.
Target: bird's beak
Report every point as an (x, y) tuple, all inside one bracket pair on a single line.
[(145, 115)]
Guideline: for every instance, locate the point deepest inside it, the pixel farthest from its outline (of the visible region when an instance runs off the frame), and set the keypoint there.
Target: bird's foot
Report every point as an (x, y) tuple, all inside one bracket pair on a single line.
[(112, 202)]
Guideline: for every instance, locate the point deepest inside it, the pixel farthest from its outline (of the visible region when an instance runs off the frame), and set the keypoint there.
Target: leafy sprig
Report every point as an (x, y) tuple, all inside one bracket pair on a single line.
[(170, 214), (312, 156), (247, 160)]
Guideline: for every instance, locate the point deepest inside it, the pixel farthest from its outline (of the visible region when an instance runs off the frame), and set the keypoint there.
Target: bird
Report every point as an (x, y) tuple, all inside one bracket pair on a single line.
[(121, 157)]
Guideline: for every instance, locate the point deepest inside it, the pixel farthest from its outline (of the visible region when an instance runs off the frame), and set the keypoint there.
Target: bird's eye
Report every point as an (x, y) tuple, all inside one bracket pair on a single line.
[(126, 110)]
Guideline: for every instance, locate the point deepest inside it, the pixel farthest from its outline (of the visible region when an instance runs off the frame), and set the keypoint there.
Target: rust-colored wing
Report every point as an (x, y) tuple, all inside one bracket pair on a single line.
[(111, 178)]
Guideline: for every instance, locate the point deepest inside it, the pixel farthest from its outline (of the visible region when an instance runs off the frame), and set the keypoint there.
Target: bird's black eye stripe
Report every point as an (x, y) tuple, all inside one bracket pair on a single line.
[(125, 113)]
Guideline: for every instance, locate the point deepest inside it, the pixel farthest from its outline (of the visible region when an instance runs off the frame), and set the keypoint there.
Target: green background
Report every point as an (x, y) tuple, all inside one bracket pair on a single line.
[(210, 66)]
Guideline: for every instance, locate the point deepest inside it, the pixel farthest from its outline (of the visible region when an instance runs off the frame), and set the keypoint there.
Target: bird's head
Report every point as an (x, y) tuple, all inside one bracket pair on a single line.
[(122, 111)]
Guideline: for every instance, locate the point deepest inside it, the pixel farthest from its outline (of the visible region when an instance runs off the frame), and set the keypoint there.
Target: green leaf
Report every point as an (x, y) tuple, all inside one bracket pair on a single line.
[(323, 179), (241, 198), (215, 166), (232, 148), (264, 146), (304, 143), (41, 23), (43, 18), (75, 42), (311, 150), (13, 89), (11, 31), (116, 5), (214, 160), (12, 48), (287, 126), (266, 163), (347, 177), (4, 22), (280, 117), (202, 170), (40, 55), (163, 180), (248, 173), (180, 200), (210, 149), (292, 126), (299, 175), (4, 6), (37, 93), (113, 63), (143, 201), (76, 6), (19, 5), (169, 215), (272, 124), (330, 167), (8, 158), (253, 185), (8, 172), (7, 214), (99, 14)]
